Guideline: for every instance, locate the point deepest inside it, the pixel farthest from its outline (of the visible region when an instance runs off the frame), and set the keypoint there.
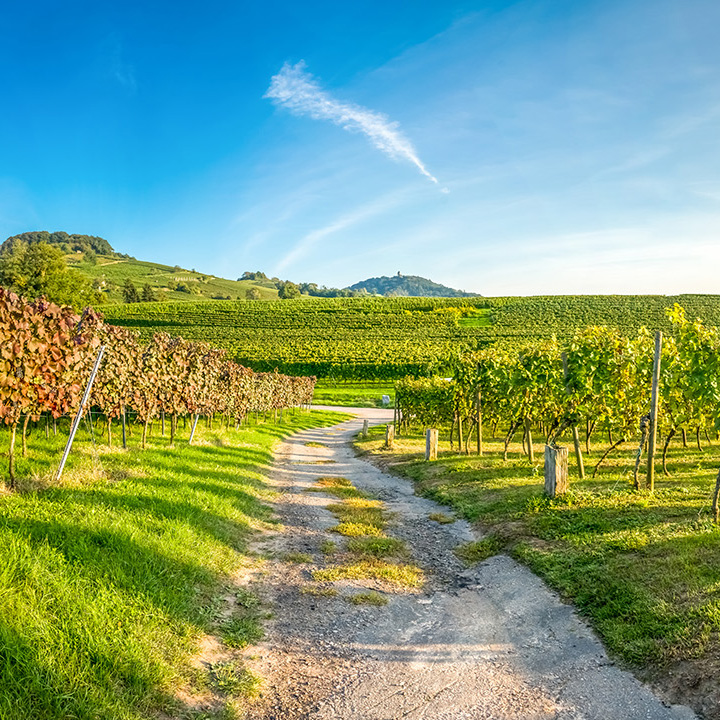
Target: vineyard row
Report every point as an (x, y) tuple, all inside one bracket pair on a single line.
[(47, 352), (598, 381)]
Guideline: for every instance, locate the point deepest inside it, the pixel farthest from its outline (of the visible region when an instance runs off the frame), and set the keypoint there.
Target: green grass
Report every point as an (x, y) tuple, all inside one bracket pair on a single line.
[(644, 568), (108, 581), (377, 546), (442, 518), (474, 552), (364, 520), (368, 598), (232, 678), (328, 547), (299, 558), (242, 630)]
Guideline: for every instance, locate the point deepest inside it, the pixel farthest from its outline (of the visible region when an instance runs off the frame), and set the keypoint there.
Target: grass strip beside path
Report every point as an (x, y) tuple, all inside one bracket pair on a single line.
[(108, 581)]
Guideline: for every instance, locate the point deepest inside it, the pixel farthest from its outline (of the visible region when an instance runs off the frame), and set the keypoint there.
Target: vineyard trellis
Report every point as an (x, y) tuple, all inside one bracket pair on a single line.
[(599, 381), (47, 351)]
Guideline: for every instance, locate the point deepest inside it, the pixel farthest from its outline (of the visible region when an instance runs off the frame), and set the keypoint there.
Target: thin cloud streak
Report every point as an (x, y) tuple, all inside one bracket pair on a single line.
[(296, 90), (311, 239)]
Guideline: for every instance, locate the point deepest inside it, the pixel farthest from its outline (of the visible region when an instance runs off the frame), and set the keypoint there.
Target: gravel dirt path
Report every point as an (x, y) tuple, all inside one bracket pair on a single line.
[(489, 642)]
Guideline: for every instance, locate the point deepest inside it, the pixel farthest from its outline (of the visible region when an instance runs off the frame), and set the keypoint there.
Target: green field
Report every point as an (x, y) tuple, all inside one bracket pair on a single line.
[(386, 338), (109, 581), (643, 567)]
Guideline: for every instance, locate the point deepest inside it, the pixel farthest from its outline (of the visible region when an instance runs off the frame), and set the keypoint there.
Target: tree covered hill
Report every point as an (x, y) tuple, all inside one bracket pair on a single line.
[(67, 243), (407, 286)]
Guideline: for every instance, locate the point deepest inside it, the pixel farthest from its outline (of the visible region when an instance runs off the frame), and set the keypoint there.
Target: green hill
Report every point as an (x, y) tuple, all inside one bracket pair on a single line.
[(167, 282), (407, 286)]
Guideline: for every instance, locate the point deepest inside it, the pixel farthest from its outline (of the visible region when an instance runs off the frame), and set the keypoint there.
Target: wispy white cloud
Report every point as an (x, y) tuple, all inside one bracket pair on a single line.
[(361, 214), (296, 90)]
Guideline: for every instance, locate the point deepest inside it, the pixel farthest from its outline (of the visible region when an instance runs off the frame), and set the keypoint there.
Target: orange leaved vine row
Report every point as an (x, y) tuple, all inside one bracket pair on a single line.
[(47, 352)]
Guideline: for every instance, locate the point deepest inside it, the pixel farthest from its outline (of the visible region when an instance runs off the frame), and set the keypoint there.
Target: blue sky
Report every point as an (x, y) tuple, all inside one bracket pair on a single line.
[(574, 143)]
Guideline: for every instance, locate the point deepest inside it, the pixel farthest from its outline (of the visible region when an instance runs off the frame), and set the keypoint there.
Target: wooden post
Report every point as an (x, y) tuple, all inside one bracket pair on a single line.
[(556, 470), (576, 436), (653, 412), (124, 434), (431, 444), (478, 420), (578, 453), (366, 426), (162, 423), (389, 436), (528, 435)]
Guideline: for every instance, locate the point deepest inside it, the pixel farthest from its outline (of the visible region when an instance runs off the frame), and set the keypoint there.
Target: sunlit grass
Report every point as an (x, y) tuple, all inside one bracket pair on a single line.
[(401, 575), (353, 529)]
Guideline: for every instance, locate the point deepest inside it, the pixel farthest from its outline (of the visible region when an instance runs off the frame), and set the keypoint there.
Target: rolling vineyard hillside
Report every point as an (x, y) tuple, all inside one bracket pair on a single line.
[(167, 282), (385, 338)]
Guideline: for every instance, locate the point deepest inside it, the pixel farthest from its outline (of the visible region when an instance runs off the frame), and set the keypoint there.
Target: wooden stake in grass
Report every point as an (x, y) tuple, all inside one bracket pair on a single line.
[(576, 436), (11, 455), (716, 495), (478, 420), (644, 429), (556, 470), (669, 437), (528, 435), (654, 412), (24, 435), (389, 436)]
